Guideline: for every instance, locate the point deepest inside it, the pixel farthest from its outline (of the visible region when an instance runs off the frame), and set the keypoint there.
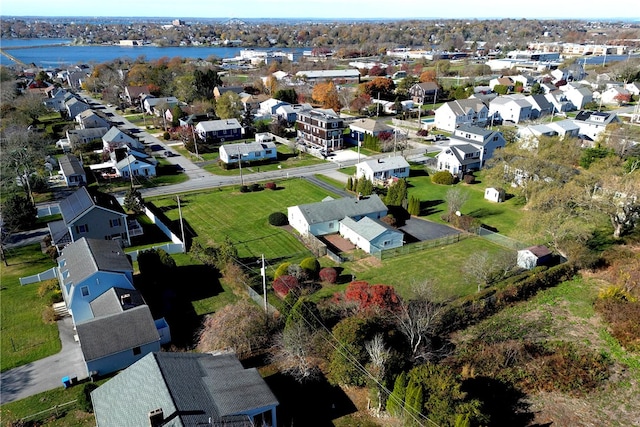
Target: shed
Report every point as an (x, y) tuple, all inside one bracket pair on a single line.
[(494, 194), (534, 256)]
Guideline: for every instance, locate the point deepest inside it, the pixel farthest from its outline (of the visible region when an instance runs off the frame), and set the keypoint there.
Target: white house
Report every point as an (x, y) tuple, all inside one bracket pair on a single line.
[(89, 119), (565, 128), (592, 124), (612, 96), (469, 149), (324, 217), (513, 108), (530, 135), (248, 152), (579, 97), (371, 235), (115, 139), (132, 165), (381, 170), (75, 107), (452, 114), (72, 170), (270, 106)]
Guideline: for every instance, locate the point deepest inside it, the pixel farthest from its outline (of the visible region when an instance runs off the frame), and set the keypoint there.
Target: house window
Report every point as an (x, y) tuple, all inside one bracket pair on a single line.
[(331, 225), (269, 151), (115, 222), (137, 351), (85, 291), (84, 228)]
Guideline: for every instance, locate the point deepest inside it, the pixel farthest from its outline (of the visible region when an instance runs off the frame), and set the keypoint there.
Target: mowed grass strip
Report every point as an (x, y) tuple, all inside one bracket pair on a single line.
[(25, 337), (244, 217)]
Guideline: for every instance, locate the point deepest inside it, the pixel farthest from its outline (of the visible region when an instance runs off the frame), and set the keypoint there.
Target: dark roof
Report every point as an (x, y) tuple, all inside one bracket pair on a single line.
[(337, 209), (83, 199), (540, 251), (70, 165), (115, 300), (85, 257), (190, 388), (107, 335)]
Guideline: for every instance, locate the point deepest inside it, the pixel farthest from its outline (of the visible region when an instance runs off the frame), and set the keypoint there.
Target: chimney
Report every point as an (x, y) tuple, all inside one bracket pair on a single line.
[(359, 196), (125, 299), (156, 417)]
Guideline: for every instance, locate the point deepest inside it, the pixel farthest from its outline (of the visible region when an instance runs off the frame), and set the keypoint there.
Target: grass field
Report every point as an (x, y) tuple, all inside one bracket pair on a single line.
[(243, 217), (24, 336)]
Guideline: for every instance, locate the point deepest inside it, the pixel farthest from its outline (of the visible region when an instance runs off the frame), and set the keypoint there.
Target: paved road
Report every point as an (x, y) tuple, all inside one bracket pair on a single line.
[(45, 374)]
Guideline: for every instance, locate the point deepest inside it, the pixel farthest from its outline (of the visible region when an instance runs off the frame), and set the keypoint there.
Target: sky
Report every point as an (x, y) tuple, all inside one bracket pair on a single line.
[(325, 9)]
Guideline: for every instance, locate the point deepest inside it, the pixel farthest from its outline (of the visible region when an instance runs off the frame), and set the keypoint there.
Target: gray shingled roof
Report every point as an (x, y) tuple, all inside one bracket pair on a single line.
[(85, 257), (217, 125), (337, 209), (370, 125), (463, 106), (368, 228), (115, 300), (81, 201), (107, 335), (196, 387), (70, 165), (247, 147), (385, 164)]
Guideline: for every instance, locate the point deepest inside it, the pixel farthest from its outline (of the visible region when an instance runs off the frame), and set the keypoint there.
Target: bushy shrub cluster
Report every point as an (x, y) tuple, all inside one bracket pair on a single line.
[(442, 178), (278, 219), (285, 284), (271, 185), (328, 275)]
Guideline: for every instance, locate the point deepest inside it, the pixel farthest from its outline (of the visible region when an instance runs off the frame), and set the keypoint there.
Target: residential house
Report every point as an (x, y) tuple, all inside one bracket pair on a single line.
[(421, 93), (382, 170), (452, 114), (321, 128), (633, 88), (565, 128), (135, 166), (513, 108), (540, 106), (268, 107), (218, 91), (72, 171), (534, 256), (530, 135), (469, 149), (114, 341), (134, 94), (115, 138), (371, 235), (579, 96), (75, 78), (185, 389), (592, 124), (87, 268), (252, 102), (324, 217), (193, 119), (559, 102), (157, 106), (248, 152), (503, 81), (56, 100), (615, 96), (289, 112), (219, 130), (361, 127), (90, 119), (341, 76), (74, 107), (89, 214), (78, 137)]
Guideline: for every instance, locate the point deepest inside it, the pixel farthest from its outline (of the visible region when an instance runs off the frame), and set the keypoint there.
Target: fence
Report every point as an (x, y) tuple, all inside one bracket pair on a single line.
[(55, 409), (45, 275), (500, 239), (406, 124), (259, 299), (425, 244), (171, 248), (48, 210)]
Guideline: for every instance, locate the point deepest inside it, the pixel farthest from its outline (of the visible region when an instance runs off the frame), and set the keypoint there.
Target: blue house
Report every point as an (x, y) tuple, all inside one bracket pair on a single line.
[(89, 267)]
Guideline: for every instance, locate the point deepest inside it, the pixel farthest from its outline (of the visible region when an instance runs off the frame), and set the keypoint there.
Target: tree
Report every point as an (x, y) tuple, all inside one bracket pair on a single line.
[(360, 102), (380, 87), (286, 95), (455, 199), (428, 76), (622, 98), (327, 95), (369, 298), (364, 187), (350, 355), (537, 89), (240, 326), (417, 319), (414, 206), (378, 356), (133, 201), (229, 106), (176, 114), (396, 193), (19, 213), (294, 353), (31, 106), (205, 82)]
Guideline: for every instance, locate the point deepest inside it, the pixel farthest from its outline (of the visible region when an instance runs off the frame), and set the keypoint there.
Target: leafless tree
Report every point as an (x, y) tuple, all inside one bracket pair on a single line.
[(379, 355), (455, 198), (293, 352)]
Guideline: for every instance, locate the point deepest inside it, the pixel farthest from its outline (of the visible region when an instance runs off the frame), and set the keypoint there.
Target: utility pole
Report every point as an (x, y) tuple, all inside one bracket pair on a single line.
[(263, 272), (240, 165)]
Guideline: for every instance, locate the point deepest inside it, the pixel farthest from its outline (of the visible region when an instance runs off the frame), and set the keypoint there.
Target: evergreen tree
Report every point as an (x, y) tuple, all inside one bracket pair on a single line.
[(350, 184), (395, 402)]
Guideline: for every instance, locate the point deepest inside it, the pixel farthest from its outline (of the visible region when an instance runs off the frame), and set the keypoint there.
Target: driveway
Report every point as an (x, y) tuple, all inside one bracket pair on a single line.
[(45, 374), (421, 229)]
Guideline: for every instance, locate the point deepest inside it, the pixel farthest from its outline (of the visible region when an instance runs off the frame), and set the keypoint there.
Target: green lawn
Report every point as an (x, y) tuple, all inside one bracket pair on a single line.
[(503, 216), (24, 336), (243, 217)]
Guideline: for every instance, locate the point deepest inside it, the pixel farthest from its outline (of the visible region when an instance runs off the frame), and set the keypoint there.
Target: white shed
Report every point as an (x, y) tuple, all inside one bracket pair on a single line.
[(534, 256), (494, 194)]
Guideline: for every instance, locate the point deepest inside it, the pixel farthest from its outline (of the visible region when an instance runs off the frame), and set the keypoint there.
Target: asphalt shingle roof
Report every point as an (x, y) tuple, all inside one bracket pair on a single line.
[(337, 209), (85, 257)]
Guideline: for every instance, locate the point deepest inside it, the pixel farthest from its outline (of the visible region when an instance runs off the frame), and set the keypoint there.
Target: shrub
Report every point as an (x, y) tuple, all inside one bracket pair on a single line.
[(271, 185), (47, 286), (84, 396), (442, 178), (281, 270), (166, 136), (285, 284), (469, 179), (278, 219), (328, 274), (244, 189), (311, 266), (49, 315), (255, 187)]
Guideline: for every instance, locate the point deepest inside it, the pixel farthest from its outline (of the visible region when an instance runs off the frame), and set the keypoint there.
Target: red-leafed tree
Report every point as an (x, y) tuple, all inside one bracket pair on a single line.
[(367, 297), (377, 71), (328, 274), (285, 284), (360, 102), (622, 98)]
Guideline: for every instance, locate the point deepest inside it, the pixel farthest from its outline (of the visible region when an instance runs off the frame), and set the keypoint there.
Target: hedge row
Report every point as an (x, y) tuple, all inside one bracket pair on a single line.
[(472, 309)]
